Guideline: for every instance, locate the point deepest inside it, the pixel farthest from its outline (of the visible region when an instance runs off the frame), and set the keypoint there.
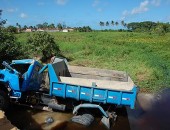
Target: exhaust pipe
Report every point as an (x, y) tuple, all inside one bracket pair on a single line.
[(55, 105), (52, 103)]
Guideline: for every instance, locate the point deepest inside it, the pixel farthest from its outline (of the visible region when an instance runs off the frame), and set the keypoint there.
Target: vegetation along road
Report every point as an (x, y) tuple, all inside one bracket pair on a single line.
[(146, 57)]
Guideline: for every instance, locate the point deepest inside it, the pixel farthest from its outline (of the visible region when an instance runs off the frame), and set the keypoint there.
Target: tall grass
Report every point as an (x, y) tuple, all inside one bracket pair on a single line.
[(145, 57)]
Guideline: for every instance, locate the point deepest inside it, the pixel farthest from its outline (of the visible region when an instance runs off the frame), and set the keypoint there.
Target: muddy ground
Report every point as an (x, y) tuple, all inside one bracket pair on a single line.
[(30, 119), (151, 113)]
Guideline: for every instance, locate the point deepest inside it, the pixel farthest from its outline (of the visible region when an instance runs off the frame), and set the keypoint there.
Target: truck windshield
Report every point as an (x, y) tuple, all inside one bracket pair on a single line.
[(22, 68)]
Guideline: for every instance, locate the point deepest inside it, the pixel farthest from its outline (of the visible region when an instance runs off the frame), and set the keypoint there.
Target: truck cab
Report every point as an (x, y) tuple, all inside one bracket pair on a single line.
[(20, 76), (29, 79)]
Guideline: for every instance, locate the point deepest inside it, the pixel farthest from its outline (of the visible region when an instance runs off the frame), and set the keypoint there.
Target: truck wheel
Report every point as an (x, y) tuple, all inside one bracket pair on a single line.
[(85, 119), (4, 100)]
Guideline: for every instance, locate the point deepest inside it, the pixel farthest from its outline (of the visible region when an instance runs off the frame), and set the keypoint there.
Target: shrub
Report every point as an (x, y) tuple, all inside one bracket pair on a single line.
[(42, 43)]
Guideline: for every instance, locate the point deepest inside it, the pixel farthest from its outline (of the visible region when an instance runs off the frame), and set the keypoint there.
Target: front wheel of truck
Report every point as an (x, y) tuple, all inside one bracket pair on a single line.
[(4, 100)]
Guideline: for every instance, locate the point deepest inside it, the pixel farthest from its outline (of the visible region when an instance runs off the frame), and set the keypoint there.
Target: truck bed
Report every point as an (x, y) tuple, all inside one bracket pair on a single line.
[(101, 78), (91, 84)]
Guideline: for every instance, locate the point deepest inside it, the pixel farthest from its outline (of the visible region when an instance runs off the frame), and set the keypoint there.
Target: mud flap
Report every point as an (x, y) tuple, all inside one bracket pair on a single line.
[(106, 121)]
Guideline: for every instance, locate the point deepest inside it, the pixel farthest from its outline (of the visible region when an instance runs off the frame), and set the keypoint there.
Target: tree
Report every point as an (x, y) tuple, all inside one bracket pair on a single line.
[(84, 29), (59, 26), (39, 26), (116, 23), (101, 24), (112, 23), (31, 27), (25, 27), (11, 29), (2, 22), (10, 49), (19, 27), (146, 26), (107, 23), (45, 25), (42, 43), (125, 25), (122, 22), (160, 29), (51, 26)]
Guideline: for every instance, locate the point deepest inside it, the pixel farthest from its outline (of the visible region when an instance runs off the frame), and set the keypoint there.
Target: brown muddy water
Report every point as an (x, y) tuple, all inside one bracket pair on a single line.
[(30, 119), (152, 112)]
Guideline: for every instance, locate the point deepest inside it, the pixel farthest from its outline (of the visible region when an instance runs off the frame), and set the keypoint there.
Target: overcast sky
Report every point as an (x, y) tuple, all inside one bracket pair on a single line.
[(83, 12)]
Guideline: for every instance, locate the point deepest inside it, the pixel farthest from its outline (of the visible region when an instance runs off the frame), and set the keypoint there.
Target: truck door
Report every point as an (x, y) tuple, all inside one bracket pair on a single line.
[(36, 78)]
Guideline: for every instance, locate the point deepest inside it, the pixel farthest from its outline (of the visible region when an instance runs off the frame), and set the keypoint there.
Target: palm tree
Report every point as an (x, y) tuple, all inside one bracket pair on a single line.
[(107, 23), (123, 23), (19, 26), (112, 23), (101, 24), (116, 23)]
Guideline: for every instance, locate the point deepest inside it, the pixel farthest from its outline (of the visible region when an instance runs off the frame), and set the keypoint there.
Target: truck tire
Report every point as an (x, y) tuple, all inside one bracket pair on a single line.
[(4, 100), (85, 119)]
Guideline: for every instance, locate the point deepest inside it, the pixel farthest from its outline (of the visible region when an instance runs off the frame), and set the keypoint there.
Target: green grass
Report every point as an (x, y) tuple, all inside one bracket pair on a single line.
[(145, 57)]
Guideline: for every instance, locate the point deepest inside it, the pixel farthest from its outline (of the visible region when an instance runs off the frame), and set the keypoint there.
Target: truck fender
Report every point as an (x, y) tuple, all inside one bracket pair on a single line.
[(88, 105)]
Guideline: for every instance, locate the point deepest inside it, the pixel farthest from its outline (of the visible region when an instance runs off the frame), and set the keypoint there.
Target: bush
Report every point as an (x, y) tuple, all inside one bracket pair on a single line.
[(9, 49), (11, 29), (42, 43)]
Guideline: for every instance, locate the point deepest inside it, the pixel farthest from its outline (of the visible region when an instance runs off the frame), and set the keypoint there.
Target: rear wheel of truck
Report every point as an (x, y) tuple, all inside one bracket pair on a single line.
[(4, 100)]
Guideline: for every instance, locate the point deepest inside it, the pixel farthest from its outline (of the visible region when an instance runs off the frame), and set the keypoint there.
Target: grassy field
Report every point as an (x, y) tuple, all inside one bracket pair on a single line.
[(145, 57)]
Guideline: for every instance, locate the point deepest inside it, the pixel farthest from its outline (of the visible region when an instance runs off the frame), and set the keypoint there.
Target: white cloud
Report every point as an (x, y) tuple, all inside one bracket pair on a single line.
[(142, 8), (11, 10), (61, 2), (95, 3), (156, 2), (23, 15)]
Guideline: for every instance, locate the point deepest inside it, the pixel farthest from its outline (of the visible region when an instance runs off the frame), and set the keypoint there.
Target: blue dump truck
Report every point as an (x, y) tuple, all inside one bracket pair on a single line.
[(23, 82)]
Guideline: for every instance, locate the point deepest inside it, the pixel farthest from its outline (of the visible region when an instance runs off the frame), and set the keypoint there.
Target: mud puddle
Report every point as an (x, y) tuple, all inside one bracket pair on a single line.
[(30, 119)]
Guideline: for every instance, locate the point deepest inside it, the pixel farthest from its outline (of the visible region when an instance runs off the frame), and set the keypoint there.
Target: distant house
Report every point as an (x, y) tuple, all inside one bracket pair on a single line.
[(40, 30), (65, 30), (28, 30), (53, 30), (68, 30)]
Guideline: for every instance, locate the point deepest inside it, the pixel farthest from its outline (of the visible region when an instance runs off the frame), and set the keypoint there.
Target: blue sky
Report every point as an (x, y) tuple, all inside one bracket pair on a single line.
[(83, 12)]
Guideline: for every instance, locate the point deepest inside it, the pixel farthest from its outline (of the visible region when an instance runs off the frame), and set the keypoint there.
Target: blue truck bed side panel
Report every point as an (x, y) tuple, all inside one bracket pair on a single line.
[(94, 94)]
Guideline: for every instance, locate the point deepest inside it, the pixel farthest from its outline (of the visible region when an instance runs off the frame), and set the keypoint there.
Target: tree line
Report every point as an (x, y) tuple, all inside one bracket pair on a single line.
[(146, 26), (149, 26), (46, 26)]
